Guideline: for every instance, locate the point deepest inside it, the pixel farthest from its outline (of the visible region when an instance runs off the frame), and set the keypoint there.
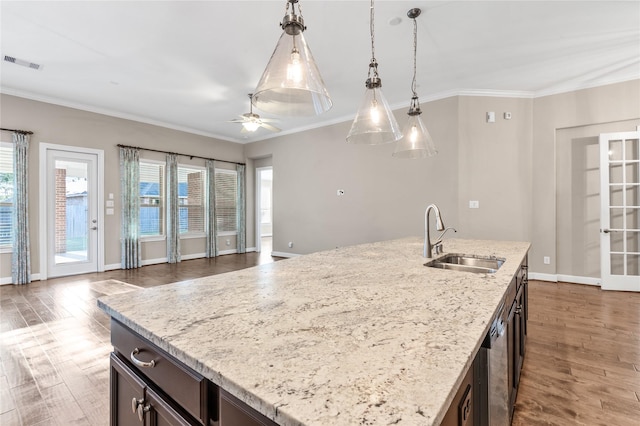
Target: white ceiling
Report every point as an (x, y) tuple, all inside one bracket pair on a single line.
[(189, 65)]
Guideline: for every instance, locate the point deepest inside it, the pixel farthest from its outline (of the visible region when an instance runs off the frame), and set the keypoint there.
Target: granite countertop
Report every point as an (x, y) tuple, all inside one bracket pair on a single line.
[(356, 335)]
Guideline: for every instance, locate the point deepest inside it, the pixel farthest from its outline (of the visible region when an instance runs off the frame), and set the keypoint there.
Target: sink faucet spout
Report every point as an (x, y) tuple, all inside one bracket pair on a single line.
[(428, 247)]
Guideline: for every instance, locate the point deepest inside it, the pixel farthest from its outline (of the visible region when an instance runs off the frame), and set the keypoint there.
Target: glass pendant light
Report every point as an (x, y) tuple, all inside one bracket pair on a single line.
[(416, 141), (291, 84), (374, 123)]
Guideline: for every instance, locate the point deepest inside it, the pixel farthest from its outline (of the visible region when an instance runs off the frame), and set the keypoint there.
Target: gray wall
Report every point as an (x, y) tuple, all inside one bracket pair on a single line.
[(600, 105), (66, 126), (384, 198)]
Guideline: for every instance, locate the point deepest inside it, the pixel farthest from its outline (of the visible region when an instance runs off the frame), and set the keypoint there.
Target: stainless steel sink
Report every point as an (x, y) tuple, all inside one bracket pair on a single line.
[(467, 263)]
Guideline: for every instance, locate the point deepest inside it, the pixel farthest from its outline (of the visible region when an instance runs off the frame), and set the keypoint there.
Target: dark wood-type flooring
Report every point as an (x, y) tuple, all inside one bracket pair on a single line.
[(582, 365)]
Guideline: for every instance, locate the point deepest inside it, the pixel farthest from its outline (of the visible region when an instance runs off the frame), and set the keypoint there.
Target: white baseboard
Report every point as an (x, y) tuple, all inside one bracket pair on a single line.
[(579, 280), (543, 277), (554, 278), (284, 254), (223, 252), (193, 256), (113, 266), (9, 280), (153, 261)]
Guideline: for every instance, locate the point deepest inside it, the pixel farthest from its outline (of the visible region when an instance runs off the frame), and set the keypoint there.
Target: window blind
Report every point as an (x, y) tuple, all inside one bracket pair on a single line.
[(226, 192), (191, 196)]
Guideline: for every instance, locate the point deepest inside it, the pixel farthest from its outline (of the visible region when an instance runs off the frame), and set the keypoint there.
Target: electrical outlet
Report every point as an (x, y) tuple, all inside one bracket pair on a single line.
[(228, 242), (547, 260), (474, 204)]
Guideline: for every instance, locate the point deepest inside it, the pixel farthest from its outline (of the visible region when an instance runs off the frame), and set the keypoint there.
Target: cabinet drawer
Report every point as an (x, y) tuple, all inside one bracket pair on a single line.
[(186, 387)]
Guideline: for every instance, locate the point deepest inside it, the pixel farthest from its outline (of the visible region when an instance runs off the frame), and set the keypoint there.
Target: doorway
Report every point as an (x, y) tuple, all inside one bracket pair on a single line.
[(264, 209), (70, 211)]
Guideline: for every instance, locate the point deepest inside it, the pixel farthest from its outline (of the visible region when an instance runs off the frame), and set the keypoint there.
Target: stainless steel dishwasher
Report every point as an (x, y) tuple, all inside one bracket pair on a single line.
[(496, 372)]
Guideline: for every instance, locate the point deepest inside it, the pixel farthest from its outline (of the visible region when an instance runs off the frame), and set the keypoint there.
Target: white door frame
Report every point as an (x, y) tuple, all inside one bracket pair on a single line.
[(259, 206), (43, 203), (610, 281)]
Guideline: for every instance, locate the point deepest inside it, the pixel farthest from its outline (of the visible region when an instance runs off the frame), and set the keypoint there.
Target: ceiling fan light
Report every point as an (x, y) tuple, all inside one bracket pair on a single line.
[(291, 84), (250, 126)]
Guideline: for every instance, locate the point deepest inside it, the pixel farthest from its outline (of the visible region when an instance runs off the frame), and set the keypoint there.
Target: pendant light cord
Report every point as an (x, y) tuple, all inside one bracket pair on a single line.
[(372, 31), (415, 54)]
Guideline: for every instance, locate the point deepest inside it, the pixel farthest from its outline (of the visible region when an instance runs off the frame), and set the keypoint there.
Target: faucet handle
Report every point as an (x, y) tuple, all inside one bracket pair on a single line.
[(437, 248)]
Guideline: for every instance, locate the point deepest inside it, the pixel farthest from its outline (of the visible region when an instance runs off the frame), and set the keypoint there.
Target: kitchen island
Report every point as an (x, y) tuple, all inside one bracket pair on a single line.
[(357, 335)]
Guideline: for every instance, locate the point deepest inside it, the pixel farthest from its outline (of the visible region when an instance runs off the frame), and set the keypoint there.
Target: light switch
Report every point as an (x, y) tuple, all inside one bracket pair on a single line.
[(491, 117), (474, 204), (109, 203), (111, 195), (109, 212)]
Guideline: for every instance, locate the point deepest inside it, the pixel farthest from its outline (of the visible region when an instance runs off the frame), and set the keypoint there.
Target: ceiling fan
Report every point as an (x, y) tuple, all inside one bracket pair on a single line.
[(250, 121)]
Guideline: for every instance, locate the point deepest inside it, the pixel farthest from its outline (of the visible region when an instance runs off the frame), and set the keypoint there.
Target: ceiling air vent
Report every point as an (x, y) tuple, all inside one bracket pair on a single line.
[(22, 62)]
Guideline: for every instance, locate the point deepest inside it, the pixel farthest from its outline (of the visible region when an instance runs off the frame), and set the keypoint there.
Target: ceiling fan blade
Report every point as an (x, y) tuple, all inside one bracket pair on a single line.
[(269, 120), (269, 127), (236, 120)]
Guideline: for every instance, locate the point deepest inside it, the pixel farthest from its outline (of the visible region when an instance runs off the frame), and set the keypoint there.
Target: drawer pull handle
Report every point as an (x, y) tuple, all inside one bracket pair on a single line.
[(139, 363)]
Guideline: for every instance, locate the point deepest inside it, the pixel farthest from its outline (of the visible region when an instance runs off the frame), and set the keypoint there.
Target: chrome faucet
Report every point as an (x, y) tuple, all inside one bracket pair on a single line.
[(428, 246)]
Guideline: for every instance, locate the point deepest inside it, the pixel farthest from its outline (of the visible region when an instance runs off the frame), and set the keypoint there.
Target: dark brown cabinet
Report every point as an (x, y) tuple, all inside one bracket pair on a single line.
[(234, 412), (517, 333), (461, 411), (150, 388)]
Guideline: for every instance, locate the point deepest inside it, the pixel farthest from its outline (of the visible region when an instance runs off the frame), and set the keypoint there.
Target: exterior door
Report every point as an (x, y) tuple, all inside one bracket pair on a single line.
[(620, 210), (72, 217)]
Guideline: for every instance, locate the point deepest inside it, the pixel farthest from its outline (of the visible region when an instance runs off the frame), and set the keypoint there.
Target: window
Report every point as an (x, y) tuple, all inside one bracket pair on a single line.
[(151, 199), (226, 192), (191, 199), (6, 194)]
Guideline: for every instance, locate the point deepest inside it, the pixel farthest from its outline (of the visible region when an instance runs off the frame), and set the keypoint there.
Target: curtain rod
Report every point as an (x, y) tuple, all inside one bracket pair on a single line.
[(24, 132), (176, 153)]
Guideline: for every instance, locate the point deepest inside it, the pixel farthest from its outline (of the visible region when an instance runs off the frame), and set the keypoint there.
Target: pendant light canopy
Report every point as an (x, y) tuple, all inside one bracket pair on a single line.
[(291, 85), (374, 123), (416, 140)]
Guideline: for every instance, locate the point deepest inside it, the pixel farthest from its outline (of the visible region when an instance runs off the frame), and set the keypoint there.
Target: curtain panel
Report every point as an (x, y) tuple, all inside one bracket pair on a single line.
[(241, 243), (212, 228), (130, 256), (21, 258), (173, 219)]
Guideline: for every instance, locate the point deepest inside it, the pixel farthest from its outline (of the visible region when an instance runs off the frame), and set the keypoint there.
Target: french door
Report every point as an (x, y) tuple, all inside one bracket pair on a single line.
[(71, 211), (620, 210)]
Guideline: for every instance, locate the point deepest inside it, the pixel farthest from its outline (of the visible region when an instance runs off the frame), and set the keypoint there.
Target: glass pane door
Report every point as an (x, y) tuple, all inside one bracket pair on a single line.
[(72, 213), (620, 210)]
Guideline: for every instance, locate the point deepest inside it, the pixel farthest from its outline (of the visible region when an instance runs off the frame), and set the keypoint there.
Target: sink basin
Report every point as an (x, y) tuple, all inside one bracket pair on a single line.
[(467, 263)]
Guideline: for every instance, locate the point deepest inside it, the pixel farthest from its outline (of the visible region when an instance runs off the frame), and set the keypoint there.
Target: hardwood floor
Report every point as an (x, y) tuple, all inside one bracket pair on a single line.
[(582, 364)]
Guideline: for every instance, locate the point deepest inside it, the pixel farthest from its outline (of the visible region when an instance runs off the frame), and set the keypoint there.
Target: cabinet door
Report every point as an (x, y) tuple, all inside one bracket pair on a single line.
[(234, 412), (127, 391), (160, 413)]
